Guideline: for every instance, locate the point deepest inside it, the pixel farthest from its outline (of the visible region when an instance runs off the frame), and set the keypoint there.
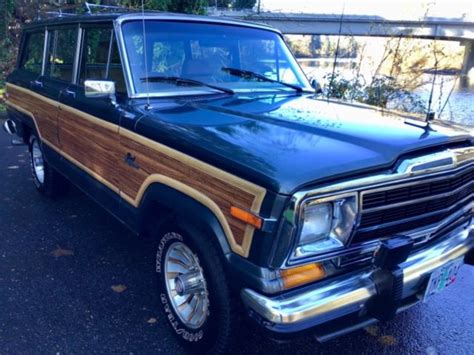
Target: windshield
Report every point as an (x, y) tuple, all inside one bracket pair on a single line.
[(208, 53)]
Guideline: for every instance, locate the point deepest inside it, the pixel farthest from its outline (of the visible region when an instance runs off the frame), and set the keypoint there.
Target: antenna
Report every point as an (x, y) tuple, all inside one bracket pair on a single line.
[(337, 51), (430, 115), (146, 59)]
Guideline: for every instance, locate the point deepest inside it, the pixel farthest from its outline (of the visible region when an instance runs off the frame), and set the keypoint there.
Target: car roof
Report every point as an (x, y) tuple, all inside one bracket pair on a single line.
[(67, 19)]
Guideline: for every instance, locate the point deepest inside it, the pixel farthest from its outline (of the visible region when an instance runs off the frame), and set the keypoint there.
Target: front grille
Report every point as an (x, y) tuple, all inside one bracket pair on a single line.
[(418, 191), (402, 208)]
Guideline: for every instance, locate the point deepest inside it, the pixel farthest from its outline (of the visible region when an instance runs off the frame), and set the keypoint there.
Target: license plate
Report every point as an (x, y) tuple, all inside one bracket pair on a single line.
[(442, 278)]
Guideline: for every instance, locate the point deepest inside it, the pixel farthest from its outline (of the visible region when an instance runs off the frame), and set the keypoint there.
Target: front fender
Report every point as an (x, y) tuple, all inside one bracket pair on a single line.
[(182, 206)]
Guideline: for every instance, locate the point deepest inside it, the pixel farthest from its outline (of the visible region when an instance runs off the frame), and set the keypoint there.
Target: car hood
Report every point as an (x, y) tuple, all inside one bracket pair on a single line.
[(285, 142)]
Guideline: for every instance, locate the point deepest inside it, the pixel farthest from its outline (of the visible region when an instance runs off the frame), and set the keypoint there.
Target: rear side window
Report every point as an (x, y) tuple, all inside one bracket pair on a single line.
[(61, 52), (32, 59)]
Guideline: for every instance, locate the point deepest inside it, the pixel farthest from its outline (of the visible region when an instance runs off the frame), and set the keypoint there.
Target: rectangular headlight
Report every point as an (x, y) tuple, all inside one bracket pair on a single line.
[(326, 224)]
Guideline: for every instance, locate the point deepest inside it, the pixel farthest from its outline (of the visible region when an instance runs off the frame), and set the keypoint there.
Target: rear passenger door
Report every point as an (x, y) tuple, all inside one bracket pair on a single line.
[(88, 127), (61, 46), (27, 82)]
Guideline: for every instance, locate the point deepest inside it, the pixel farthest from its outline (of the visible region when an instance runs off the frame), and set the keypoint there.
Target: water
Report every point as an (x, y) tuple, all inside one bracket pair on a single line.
[(459, 107)]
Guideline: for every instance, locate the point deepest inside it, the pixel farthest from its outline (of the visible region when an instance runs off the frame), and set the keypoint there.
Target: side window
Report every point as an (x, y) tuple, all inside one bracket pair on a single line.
[(116, 70), (100, 58), (61, 52), (32, 58), (95, 54)]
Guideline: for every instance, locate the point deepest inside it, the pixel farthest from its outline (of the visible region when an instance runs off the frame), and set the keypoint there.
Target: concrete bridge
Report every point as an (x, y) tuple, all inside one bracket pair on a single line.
[(354, 25)]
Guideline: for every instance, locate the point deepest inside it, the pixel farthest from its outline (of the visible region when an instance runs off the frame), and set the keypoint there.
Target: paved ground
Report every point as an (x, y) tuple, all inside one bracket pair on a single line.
[(60, 260)]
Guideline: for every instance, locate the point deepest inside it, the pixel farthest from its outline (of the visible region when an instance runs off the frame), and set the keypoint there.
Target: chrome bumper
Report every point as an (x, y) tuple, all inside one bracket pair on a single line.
[(346, 295)]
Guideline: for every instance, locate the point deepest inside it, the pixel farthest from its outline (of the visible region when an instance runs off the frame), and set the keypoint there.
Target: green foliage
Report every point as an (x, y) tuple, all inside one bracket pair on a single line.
[(220, 3), (2, 91), (184, 6), (383, 92), (7, 52), (244, 4), (341, 88)]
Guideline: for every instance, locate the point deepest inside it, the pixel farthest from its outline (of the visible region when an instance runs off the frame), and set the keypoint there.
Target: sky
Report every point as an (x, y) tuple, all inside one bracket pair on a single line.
[(390, 9)]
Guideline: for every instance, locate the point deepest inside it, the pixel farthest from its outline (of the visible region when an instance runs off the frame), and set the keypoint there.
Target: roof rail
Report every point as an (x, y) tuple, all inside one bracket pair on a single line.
[(81, 9), (91, 8), (52, 14)]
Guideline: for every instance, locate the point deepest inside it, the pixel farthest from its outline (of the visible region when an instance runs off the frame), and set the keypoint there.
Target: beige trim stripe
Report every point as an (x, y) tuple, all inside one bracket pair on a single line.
[(226, 177), (204, 200)]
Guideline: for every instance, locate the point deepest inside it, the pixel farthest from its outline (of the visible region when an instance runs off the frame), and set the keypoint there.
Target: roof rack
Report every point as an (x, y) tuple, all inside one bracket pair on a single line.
[(91, 8), (83, 9), (59, 13)]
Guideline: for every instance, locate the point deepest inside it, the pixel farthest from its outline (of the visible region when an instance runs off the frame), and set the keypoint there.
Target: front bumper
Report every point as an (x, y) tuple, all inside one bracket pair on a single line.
[(344, 302)]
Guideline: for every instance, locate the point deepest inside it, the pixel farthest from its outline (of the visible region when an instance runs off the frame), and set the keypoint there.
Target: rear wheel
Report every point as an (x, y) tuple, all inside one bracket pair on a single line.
[(47, 180), (195, 296)]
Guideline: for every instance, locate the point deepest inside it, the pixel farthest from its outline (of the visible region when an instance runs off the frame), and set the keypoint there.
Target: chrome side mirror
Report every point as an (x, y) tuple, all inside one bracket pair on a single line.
[(316, 86), (99, 89)]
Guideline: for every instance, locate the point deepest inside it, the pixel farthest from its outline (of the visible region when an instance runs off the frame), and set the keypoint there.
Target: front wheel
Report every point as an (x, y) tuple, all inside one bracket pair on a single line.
[(46, 179), (195, 296)]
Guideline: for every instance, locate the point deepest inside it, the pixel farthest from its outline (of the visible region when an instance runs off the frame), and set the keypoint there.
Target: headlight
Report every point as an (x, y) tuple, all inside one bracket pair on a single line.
[(326, 224)]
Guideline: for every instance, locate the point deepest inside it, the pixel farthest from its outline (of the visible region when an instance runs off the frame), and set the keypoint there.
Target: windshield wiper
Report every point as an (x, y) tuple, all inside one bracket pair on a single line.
[(184, 81), (247, 74)]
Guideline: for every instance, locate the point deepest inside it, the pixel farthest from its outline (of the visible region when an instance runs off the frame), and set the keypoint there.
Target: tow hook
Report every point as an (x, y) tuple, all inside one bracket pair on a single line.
[(10, 127)]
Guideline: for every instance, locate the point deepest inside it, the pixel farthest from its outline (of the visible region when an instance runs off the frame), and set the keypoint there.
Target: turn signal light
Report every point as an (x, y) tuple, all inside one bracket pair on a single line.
[(246, 217), (302, 275)]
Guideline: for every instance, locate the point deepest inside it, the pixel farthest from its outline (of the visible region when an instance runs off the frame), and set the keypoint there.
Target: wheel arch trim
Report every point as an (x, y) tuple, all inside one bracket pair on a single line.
[(196, 196)]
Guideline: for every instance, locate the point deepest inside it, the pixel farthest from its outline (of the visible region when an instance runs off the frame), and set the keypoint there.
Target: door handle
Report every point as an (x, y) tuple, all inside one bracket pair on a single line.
[(36, 83), (69, 93)]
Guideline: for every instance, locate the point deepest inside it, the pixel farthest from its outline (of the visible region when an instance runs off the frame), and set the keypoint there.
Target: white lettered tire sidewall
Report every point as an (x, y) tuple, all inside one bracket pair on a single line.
[(213, 335)]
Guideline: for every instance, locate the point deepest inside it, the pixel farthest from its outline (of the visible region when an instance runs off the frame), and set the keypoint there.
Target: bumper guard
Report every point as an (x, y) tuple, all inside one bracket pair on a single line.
[(318, 304)]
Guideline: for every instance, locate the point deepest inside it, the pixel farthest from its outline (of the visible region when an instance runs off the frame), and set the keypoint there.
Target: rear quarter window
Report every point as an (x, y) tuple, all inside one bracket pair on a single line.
[(32, 56)]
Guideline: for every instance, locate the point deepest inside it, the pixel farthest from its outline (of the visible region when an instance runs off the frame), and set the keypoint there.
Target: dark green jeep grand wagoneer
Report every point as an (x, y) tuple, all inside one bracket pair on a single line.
[(264, 200)]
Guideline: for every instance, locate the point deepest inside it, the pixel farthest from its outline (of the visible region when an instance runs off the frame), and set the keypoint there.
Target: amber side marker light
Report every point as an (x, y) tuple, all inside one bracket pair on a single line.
[(246, 217), (302, 275)]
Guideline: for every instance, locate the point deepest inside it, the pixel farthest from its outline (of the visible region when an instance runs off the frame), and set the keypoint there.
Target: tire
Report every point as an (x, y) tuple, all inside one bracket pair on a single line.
[(211, 333), (47, 180)]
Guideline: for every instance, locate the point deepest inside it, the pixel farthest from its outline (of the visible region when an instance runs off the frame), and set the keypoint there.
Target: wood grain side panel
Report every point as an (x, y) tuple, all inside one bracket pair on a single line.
[(99, 148), (222, 193), (94, 146), (45, 112)]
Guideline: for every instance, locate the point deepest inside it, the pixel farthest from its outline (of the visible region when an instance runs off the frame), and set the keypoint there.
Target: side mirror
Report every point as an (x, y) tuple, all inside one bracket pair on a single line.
[(99, 89), (316, 86)]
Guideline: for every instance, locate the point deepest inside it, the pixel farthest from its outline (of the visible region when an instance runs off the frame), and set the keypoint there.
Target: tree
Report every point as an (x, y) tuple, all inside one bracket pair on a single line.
[(244, 4), (185, 6)]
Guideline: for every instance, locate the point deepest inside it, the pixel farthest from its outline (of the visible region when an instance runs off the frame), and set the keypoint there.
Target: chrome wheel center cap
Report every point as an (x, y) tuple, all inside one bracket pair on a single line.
[(189, 283)]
